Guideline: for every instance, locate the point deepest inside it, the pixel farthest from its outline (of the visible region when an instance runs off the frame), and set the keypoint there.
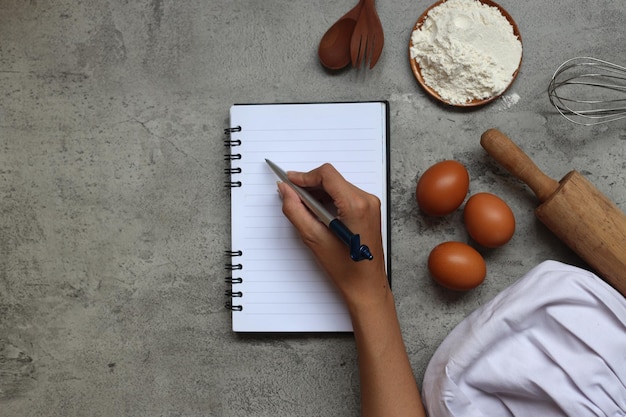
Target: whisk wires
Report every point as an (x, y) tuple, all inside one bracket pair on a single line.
[(589, 91)]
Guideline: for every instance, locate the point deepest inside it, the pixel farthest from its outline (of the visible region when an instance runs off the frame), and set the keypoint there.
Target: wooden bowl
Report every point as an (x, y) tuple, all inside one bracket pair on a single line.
[(417, 71)]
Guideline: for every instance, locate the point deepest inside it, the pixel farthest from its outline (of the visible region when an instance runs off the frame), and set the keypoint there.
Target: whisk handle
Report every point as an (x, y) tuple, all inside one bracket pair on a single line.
[(514, 160)]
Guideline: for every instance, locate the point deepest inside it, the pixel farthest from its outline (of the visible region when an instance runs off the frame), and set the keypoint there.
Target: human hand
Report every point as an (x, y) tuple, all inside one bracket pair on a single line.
[(361, 282)]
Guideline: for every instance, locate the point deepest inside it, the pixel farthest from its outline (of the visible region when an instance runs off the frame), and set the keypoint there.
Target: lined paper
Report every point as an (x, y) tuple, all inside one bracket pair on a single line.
[(283, 289)]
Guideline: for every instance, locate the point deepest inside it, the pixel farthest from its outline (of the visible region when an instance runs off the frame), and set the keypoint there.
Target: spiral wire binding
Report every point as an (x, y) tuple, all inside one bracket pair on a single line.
[(232, 142), (230, 130), (232, 156), (232, 184), (234, 307), (232, 293)]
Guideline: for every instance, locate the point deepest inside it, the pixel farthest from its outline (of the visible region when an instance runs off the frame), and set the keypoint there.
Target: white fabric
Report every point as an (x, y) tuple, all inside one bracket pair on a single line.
[(551, 344)]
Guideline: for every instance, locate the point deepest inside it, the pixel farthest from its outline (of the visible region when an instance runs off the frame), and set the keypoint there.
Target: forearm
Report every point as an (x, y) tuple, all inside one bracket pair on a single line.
[(388, 387)]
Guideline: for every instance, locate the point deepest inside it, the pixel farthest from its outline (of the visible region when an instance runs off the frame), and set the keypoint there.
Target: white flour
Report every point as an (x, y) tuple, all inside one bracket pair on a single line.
[(466, 51)]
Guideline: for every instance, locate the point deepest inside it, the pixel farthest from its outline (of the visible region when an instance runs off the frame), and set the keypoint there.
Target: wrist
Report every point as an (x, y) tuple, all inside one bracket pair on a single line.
[(371, 299)]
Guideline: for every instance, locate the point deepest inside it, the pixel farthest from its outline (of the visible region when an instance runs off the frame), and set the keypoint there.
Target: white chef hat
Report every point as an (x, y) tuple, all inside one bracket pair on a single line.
[(551, 344)]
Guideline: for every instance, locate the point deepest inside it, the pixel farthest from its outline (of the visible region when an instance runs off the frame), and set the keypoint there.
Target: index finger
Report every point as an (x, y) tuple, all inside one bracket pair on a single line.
[(325, 176)]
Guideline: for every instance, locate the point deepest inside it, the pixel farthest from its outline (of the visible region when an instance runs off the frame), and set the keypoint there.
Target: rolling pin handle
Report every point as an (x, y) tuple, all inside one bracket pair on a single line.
[(514, 160)]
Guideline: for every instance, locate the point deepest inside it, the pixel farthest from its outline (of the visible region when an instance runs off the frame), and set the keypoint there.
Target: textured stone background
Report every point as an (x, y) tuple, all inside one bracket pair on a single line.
[(113, 215)]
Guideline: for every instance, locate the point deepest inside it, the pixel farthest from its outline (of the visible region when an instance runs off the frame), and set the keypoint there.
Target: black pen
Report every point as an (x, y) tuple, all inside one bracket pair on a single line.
[(358, 252)]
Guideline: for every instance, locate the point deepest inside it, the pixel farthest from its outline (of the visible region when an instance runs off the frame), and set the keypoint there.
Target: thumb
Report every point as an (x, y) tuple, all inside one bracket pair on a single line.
[(313, 232)]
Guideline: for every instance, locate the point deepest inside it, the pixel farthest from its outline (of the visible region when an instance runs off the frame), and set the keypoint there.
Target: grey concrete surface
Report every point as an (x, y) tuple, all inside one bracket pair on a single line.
[(114, 218)]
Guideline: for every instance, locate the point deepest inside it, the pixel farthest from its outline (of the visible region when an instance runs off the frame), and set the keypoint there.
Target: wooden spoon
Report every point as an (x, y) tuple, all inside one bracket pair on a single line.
[(334, 48)]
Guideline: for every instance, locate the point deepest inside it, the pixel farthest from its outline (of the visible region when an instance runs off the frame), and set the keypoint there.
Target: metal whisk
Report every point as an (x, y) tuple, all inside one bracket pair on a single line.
[(589, 91)]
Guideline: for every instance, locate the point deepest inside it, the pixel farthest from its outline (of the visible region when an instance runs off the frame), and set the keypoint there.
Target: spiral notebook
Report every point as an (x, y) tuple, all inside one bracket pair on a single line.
[(275, 284)]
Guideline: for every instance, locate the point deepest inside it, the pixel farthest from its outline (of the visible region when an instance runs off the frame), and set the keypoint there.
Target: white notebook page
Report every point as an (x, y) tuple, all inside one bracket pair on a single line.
[(283, 288)]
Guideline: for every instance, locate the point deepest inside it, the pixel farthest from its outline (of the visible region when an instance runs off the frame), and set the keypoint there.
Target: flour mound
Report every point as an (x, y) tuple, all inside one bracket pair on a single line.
[(466, 50)]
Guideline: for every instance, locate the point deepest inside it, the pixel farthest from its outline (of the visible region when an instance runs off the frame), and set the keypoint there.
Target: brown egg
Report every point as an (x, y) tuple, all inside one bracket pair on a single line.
[(442, 188), (489, 220), (457, 266)]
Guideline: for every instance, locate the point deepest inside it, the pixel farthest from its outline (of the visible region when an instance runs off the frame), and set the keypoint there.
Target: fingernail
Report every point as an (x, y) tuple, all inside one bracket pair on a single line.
[(278, 189)]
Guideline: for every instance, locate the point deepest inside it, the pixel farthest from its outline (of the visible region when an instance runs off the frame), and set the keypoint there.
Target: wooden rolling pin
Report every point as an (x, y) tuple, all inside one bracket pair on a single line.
[(573, 209)]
